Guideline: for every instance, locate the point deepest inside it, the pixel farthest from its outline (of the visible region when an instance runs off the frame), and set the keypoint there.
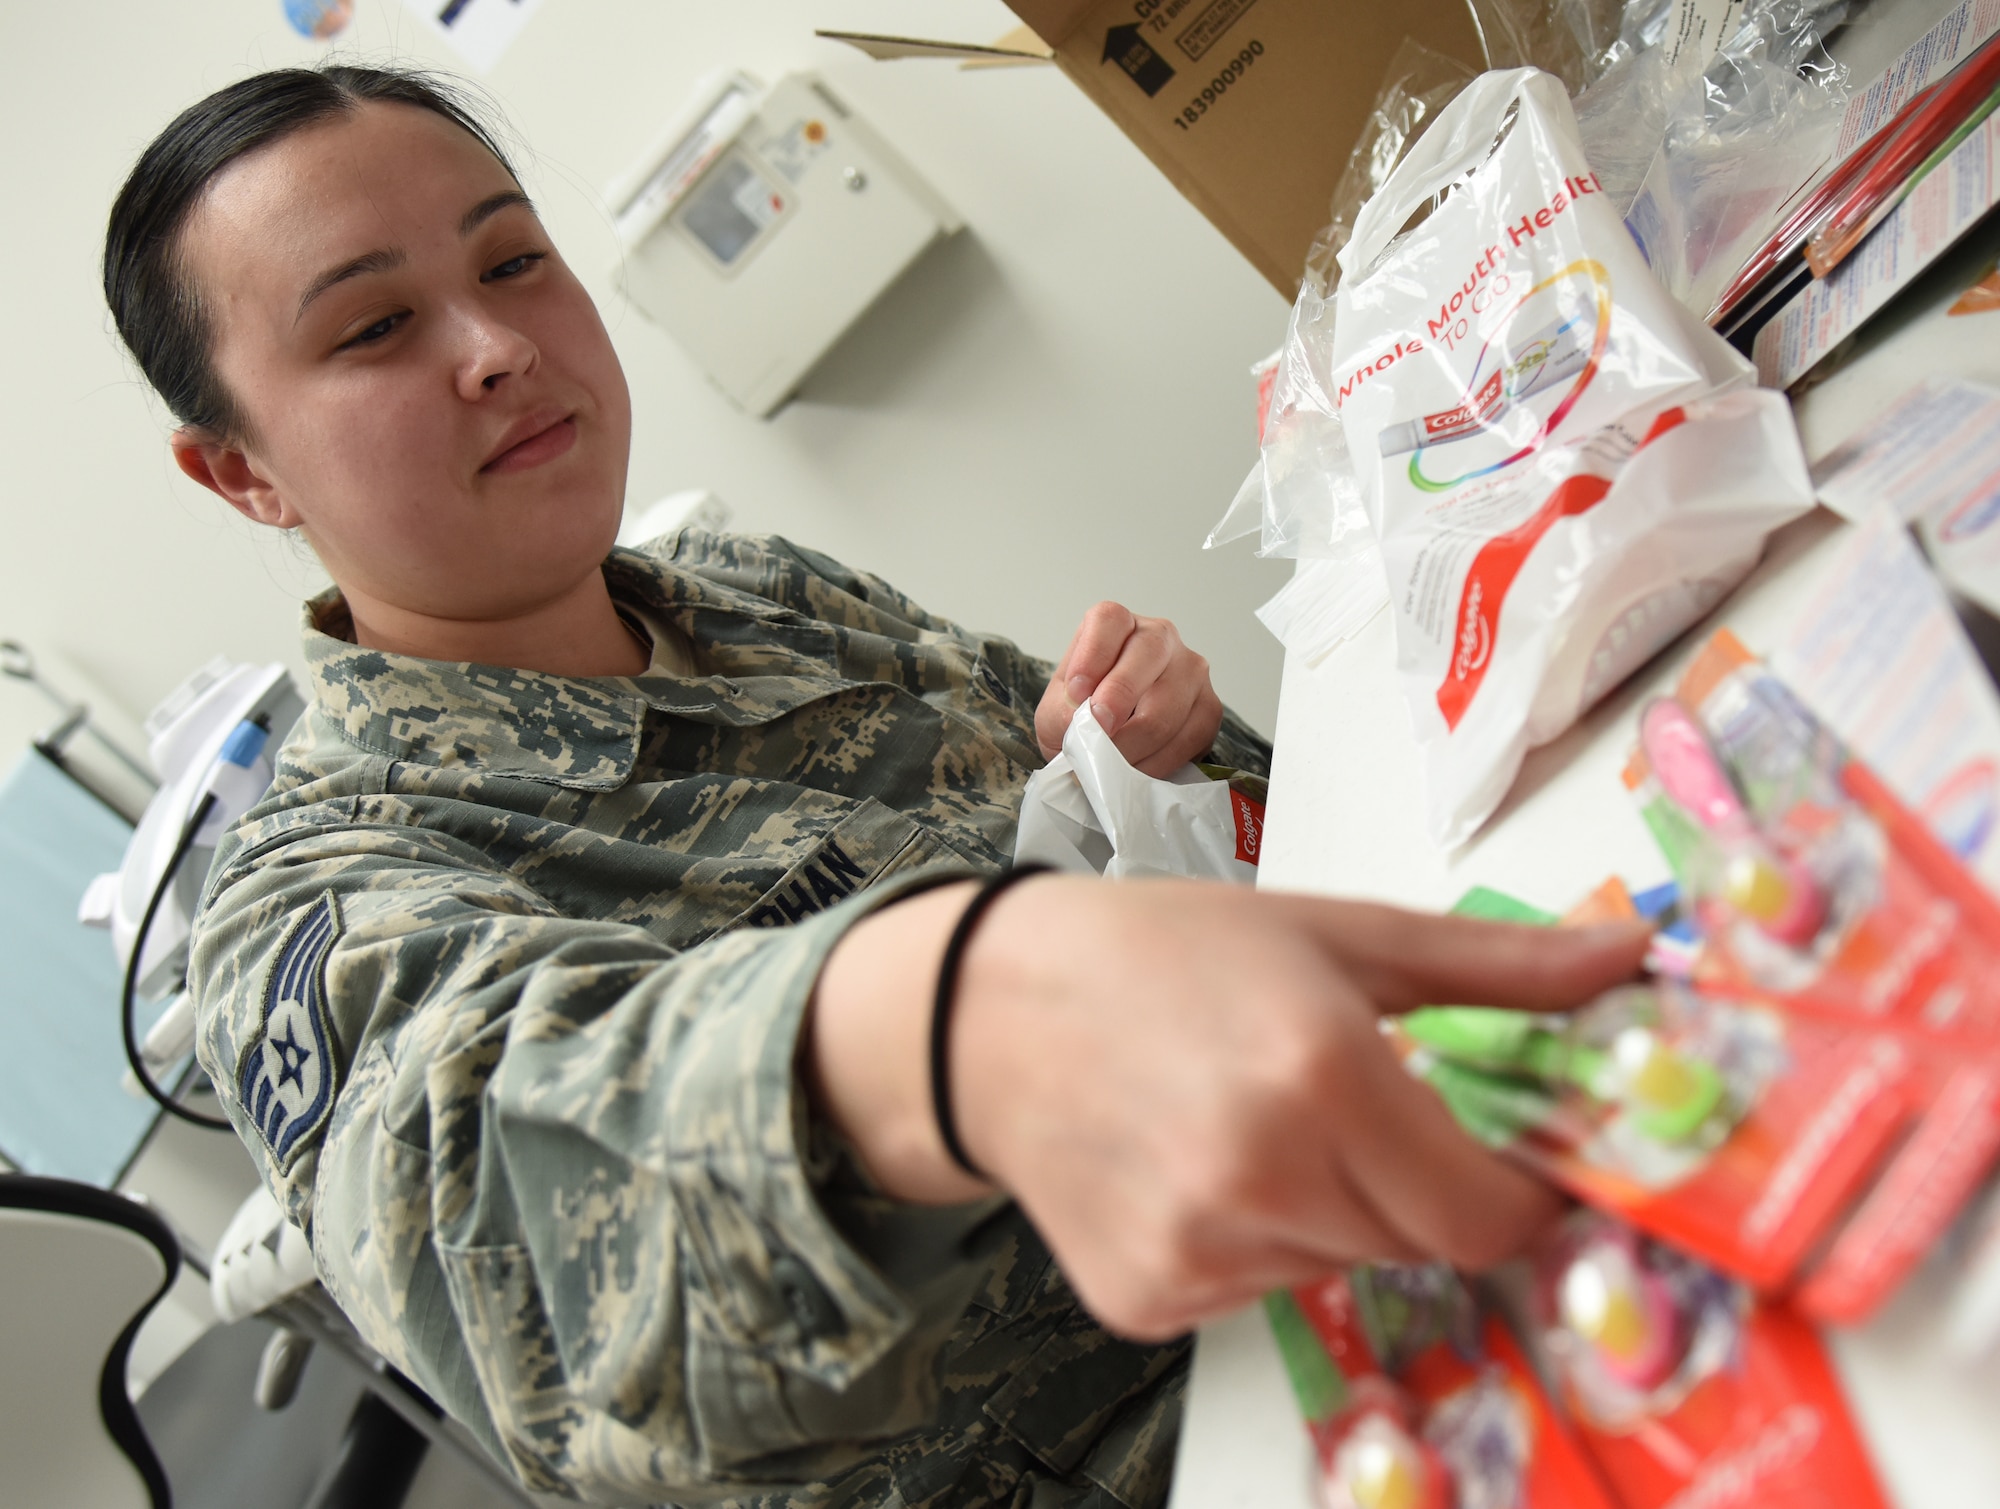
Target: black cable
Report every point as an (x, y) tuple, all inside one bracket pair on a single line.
[(132, 1054)]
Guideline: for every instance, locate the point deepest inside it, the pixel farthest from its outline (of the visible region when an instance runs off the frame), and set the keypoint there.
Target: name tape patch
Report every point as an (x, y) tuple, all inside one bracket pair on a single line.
[(285, 1079)]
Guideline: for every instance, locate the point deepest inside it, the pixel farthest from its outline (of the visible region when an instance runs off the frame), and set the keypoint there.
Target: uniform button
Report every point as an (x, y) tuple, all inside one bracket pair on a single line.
[(809, 1305)]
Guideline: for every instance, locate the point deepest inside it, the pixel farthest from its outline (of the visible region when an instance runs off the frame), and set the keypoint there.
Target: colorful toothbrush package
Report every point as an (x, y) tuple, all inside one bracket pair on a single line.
[(1686, 1389), (1817, 893), (1805, 876), (1416, 1399), (1726, 1127), (1784, 1145)]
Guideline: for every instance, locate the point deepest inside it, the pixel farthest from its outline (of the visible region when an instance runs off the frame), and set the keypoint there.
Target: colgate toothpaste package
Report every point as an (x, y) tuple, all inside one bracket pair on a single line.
[(1415, 1400), (1685, 1389), (1562, 467)]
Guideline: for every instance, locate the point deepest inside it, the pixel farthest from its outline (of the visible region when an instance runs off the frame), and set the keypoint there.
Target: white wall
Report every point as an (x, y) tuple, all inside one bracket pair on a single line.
[(1051, 409)]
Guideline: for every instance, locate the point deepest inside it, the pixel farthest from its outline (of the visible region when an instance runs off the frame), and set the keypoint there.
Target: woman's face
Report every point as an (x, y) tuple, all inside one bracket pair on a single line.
[(427, 390)]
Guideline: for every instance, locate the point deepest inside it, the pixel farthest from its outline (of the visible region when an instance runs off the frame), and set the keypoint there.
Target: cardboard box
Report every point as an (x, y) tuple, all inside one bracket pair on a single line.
[(1250, 107)]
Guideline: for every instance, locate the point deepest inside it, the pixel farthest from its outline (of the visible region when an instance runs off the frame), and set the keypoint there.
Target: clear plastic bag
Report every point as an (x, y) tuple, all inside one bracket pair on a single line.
[(1561, 467), (1089, 810), (1738, 140), (1299, 499), (1638, 73)]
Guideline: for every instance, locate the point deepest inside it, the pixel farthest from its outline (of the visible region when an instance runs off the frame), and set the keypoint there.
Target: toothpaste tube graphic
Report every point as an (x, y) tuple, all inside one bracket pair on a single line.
[(1559, 350)]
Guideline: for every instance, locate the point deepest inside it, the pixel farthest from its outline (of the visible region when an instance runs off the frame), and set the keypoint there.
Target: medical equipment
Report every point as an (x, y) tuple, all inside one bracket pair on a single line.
[(763, 223), (208, 741)]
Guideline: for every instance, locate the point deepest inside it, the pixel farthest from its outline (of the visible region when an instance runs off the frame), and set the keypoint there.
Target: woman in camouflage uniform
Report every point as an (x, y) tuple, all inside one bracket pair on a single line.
[(573, 985)]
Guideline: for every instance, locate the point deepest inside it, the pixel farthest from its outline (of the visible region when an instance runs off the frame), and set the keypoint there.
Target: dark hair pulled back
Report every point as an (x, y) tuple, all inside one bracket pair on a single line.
[(155, 303)]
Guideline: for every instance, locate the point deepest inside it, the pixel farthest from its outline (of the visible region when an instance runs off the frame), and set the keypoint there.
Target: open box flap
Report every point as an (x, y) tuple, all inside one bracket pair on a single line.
[(1019, 48), (1258, 156), (1250, 107)]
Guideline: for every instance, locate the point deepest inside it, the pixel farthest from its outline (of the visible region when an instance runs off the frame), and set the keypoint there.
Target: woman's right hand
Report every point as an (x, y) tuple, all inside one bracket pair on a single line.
[(1184, 1086)]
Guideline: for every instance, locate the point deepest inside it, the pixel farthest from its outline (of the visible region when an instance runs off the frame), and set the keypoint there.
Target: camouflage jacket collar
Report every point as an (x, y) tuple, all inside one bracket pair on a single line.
[(575, 731)]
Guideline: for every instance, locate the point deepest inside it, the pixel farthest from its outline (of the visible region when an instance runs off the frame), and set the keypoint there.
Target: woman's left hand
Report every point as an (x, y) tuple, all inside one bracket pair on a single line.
[(1150, 692)]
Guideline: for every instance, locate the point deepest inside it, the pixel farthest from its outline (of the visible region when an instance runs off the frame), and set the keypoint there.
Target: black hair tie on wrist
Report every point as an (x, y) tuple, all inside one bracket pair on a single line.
[(989, 892)]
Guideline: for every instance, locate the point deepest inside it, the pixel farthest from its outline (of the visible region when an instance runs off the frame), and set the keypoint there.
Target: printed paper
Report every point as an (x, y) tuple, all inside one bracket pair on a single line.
[(479, 31)]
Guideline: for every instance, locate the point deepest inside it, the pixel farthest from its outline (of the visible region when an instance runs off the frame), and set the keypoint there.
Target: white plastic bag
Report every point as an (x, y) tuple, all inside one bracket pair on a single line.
[(1563, 468), (1091, 811)]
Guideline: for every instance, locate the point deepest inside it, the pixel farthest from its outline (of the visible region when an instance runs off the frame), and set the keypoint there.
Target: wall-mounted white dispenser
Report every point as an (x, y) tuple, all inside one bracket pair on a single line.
[(763, 224)]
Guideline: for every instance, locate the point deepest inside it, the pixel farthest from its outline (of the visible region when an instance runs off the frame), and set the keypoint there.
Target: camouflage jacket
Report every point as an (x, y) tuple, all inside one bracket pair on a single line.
[(502, 985)]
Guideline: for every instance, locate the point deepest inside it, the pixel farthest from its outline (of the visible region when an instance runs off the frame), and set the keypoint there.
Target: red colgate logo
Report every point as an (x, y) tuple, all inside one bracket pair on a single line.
[(1249, 826), (1499, 561), (1475, 635)]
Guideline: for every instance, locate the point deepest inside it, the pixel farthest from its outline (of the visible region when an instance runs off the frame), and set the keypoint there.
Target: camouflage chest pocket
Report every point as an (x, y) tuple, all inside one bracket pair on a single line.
[(872, 844)]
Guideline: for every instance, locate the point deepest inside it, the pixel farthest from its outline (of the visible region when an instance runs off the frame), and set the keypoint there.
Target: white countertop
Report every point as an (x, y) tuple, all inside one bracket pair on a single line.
[(1346, 818)]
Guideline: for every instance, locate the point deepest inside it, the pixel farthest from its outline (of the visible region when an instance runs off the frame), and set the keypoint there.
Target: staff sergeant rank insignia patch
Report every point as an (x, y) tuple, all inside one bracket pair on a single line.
[(285, 1078)]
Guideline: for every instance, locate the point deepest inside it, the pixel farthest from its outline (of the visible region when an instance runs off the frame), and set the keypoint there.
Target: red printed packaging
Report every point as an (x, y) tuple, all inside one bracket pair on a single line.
[(1416, 1401), (1686, 1390), (1817, 891), (1729, 1128), (1808, 878)]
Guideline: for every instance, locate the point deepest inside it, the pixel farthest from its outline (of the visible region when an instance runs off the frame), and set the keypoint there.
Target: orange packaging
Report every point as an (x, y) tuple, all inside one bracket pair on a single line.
[(1905, 935), (1728, 1128), (1415, 1399), (1685, 1389), (1826, 898)]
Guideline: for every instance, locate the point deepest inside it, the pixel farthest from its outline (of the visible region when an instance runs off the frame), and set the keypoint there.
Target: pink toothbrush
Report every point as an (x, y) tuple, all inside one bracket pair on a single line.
[(1777, 894), (1607, 1298)]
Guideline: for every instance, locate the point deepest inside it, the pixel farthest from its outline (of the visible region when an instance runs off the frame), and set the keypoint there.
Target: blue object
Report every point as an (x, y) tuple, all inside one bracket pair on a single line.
[(1657, 902), (287, 1079), (245, 742), (319, 19), (63, 1111)]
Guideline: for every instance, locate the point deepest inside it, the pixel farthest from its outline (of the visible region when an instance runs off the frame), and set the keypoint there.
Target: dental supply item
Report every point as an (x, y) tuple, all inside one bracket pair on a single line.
[(1905, 937), (1560, 349), (1776, 894), (1933, 451), (1949, 200), (1724, 1126), (1734, 147), (1416, 1399), (1670, 1096), (1903, 958), (1779, 1142), (1881, 656), (1561, 466), (1870, 122), (1909, 147), (1684, 1387), (1090, 811)]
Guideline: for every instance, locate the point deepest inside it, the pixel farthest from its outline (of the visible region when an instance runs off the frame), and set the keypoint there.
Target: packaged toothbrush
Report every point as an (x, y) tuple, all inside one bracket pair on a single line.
[(1415, 1400), (1816, 891), (1804, 874), (1726, 1127), (1684, 1388)]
